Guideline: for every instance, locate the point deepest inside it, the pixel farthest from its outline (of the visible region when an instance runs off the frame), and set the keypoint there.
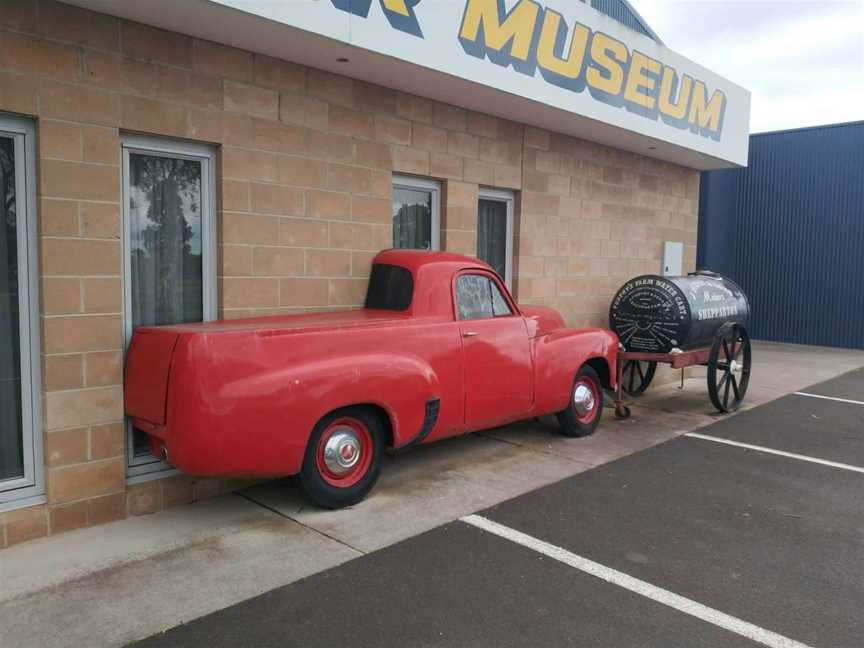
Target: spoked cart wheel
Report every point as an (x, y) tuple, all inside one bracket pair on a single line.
[(729, 367), (636, 376)]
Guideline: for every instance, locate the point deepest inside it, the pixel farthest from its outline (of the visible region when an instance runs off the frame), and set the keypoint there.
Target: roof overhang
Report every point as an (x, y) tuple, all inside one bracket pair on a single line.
[(429, 48)]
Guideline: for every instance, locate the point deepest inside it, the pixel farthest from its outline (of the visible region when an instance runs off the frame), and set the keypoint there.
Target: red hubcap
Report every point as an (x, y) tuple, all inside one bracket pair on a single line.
[(344, 452)]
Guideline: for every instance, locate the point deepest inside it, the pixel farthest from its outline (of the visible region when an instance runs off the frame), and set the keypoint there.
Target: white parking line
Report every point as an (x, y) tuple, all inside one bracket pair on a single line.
[(685, 605), (791, 455), (831, 398)]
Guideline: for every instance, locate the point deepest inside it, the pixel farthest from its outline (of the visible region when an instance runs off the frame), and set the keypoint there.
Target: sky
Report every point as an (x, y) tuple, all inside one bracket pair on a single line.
[(802, 60)]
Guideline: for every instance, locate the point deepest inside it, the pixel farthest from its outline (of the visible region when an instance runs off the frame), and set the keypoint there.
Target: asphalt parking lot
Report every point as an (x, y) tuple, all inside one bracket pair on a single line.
[(746, 533), (695, 542)]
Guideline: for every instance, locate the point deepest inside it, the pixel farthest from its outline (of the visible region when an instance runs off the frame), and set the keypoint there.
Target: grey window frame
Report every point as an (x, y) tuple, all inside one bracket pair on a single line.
[(413, 183), (29, 489), (138, 468), (509, 198)]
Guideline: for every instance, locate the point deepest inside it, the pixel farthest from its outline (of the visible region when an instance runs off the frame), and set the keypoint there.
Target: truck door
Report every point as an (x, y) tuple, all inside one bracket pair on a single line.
[(499, 376)]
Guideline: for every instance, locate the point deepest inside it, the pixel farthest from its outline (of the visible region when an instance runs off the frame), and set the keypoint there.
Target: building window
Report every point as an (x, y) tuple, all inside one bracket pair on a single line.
[(169, 247), (21, 478), (495, 231), (416, 214)]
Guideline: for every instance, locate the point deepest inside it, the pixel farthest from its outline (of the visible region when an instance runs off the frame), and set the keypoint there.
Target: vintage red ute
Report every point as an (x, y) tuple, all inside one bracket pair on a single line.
[(440, 349)]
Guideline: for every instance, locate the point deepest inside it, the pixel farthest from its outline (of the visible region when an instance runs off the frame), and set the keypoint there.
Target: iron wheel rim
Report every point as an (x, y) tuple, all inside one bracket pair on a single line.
[(729, 368)]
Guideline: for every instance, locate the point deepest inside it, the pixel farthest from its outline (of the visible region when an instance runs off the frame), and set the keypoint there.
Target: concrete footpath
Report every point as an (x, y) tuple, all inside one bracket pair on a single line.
[(127, 580)]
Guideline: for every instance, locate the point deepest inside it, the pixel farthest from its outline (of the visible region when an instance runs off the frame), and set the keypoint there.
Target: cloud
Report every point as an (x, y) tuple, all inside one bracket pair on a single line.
[(803, 61)]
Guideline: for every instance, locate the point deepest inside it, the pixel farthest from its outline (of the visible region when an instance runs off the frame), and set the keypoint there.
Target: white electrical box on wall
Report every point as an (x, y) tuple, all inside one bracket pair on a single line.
[(673, 259)]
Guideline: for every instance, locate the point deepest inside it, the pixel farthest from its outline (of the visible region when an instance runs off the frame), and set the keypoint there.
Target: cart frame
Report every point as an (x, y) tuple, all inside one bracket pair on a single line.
[(731, 342)]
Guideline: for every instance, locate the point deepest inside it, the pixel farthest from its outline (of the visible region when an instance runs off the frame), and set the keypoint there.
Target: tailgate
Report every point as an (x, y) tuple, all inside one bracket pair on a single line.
[(148, 364)]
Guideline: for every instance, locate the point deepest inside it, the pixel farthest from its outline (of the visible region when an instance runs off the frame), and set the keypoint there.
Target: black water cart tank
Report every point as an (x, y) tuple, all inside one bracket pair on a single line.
[(655, 314)]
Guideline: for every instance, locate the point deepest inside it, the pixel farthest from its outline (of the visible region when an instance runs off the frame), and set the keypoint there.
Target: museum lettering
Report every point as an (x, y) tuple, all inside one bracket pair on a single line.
[(529, 37)]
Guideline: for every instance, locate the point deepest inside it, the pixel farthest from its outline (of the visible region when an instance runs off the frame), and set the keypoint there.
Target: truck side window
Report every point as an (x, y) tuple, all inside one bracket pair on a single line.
[(500, 307), (477, 297)]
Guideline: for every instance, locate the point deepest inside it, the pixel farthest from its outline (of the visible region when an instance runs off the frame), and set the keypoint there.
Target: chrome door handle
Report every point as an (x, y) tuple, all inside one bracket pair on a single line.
[(470, 334)]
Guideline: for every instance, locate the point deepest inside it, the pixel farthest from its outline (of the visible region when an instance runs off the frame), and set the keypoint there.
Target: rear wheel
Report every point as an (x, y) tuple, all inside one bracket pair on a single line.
[(343, 458), (729, 367), (585, 409), (636, 376)]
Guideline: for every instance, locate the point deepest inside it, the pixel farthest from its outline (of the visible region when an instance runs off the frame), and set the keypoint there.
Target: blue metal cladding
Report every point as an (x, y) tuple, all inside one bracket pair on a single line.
[(789, 229), (623, 13)]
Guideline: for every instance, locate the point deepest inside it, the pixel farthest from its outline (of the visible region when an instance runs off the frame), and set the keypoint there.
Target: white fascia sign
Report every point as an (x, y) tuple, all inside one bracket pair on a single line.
[(561, 53)]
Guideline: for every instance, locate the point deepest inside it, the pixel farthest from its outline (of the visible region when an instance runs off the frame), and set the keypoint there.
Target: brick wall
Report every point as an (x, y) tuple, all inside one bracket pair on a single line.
[(303, 185), (592, 217)]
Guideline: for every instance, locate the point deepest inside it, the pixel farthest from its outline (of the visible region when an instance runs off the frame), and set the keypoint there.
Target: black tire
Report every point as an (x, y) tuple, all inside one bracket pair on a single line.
[(322, 486), (622, 413), (574, 424)]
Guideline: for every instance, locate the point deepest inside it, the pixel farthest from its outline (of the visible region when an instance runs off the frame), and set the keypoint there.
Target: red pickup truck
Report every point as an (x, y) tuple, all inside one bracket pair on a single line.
[(440, 349)]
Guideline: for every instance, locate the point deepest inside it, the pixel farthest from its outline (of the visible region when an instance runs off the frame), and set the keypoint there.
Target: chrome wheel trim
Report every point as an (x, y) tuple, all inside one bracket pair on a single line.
[(342, 451), (583, 399)]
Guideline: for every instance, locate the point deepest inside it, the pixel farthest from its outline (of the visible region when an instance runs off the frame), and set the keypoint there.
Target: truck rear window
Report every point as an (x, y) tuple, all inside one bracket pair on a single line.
[(390, 288)]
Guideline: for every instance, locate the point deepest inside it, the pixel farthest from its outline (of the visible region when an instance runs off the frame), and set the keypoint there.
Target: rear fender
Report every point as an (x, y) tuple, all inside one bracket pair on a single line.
[(399, 384), (559, 356), (236, 406)]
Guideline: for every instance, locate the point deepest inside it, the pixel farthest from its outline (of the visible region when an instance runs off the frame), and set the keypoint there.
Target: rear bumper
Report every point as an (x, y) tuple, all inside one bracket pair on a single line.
[(155, 436)]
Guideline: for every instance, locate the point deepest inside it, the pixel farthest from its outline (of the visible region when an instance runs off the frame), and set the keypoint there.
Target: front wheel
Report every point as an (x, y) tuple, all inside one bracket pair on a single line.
[(585, 409), (343, 458)]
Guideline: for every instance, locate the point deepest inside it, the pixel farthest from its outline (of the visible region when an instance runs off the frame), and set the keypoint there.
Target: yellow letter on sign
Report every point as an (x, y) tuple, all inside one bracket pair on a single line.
[(569, 67), (607, 54), (670, 108), (637, 80), (515, 31), (396, 6), (706, 117)]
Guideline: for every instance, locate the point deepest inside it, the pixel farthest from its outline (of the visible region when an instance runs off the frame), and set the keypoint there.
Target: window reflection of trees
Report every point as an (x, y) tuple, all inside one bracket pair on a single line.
[(500, 307), (11, 439), (8, 244), (165, 209), (477, 297), (472, 296), (412, 219)]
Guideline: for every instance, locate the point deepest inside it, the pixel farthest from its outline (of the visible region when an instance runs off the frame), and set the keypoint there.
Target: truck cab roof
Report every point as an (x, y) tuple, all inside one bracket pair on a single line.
[(432, 273), (413, 260)]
